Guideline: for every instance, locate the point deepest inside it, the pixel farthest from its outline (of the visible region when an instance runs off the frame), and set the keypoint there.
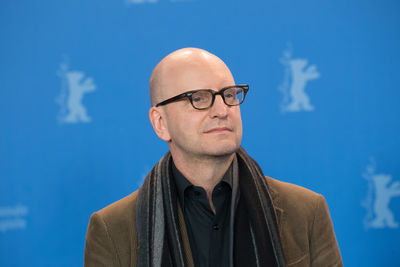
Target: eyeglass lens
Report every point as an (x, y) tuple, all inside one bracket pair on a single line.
[(203, 99)]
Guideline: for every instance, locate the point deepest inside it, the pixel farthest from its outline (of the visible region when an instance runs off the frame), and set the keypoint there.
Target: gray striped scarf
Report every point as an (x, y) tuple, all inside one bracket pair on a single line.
[(160, 240)]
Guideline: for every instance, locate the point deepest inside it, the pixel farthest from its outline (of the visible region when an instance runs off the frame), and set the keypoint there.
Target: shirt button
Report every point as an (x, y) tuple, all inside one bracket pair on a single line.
[(216, 227)]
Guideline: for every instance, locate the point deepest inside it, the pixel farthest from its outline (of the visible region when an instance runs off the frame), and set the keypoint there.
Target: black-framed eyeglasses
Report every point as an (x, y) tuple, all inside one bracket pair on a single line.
[(204, 98)]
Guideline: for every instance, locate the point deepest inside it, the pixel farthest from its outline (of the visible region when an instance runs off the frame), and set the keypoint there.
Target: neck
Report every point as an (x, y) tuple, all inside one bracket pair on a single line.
[(205, 172)]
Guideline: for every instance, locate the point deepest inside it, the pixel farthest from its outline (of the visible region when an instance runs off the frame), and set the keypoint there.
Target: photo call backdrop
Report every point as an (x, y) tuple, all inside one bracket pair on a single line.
[(322, 110)]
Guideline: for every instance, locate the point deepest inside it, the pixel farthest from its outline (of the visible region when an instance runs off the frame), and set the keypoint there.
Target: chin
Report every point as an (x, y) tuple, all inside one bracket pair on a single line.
[(221, 150)]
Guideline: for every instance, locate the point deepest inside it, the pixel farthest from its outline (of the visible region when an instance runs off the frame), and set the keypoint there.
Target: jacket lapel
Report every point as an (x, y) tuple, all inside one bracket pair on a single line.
[(277, 206)]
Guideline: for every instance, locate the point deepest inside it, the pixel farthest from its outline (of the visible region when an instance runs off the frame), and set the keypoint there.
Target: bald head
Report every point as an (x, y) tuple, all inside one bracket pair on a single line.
[(176, 72)]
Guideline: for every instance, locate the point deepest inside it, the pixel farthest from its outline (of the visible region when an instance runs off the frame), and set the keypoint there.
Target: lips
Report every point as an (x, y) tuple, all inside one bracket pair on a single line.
[(219, 130)]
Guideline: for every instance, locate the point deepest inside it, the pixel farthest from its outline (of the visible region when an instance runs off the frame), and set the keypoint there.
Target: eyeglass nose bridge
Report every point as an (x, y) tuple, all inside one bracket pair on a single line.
[(214, 94)]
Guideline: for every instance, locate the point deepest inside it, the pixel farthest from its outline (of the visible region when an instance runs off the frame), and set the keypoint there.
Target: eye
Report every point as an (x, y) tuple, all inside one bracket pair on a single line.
[(196, 99), (201, 96), (230, 94)]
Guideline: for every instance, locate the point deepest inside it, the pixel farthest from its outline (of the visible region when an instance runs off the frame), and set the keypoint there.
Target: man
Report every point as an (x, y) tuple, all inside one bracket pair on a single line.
[(206, 202)]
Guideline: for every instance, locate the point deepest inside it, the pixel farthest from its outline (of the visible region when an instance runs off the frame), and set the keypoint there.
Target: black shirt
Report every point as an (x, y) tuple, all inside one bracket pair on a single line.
[(208, 232)]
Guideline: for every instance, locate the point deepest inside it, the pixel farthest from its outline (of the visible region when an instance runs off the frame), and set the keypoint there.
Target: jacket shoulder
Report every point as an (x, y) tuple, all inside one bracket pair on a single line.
[(121, 210), (296, 206), (286, 195), (305, 226), (111, 235)]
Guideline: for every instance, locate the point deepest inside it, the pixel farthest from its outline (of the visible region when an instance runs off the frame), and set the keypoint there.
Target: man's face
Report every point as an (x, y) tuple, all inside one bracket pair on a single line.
[(216, 131)]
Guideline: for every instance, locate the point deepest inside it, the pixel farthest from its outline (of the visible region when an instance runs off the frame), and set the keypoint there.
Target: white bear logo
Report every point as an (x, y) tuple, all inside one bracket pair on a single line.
[(74, 87), (381, 190), (297, 75)]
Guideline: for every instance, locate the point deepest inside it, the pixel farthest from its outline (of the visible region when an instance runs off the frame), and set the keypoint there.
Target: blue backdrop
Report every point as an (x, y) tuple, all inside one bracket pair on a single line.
[(322, 110)]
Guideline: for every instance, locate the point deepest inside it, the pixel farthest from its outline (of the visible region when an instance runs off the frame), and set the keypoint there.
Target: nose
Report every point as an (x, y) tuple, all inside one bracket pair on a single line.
[(219, 108)]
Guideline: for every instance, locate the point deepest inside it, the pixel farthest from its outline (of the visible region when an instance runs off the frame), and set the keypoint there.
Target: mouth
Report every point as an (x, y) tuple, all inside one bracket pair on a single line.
[(219, 130)]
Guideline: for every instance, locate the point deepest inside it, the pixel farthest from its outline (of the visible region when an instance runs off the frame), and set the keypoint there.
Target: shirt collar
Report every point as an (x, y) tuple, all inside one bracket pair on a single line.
[(182, 183)]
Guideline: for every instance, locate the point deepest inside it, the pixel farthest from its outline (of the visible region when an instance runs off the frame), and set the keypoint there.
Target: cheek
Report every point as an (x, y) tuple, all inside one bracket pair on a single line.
[(237, 119), (183, 126)]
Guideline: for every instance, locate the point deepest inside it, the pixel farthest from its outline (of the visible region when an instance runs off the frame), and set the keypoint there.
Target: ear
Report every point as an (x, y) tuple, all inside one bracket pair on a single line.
[(157, 119)]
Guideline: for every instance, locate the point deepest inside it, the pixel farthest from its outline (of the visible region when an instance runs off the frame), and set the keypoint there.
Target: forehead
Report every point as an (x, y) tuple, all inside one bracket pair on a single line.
[(194, 74)]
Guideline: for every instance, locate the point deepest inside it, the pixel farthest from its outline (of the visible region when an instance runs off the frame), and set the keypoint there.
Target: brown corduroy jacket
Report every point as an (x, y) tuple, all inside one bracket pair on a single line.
[(304, 223)]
